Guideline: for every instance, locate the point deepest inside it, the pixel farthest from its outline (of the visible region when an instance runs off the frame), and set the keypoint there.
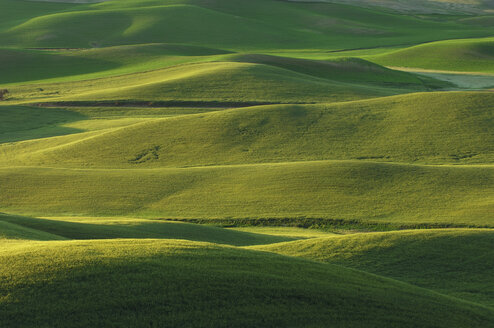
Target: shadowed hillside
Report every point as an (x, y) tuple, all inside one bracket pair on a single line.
[(135, 281), (469, 55), (455, 262)]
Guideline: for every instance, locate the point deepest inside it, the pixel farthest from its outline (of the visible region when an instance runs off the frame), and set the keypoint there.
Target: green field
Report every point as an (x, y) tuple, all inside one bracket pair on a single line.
[(433, 259), (467, 55), (231, 163), (131, 282)]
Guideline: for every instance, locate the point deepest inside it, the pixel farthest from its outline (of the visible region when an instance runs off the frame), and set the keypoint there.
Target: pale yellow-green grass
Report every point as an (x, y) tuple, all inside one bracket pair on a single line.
[(370, 192), (465, 80)]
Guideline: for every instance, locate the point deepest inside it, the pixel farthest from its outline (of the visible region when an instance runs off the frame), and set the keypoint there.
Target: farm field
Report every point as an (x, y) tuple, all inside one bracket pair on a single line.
[(263, 163)]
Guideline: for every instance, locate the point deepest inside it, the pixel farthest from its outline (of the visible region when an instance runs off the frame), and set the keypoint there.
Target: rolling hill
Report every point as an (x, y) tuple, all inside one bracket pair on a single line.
[(450, 261), (259, 24), (122, 282), (232, 163), (402, 195), (28, 228), (419, 128), (450, 7), (238, 79), (467, 55), (371, 160), (22, 65)]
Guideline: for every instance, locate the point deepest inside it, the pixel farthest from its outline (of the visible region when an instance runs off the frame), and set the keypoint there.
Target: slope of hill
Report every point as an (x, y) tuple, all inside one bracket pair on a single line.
[(431, 128), (9, 231), (16, 12), (127, 121), (468, 55), (352, 70), (21, 227), (238, 79), (226, 24), (457, 7), (30, 65), (122, 282), (457, 262), (404, 194)]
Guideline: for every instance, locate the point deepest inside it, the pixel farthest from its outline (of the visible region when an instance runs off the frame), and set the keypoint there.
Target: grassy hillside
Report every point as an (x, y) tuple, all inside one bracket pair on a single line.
[(128, 121), (259, 24), (457, 7), (19, 123), (352, 70), (26, 123), (16, 12), (457, 262), (28, 65), (171, 23), (369, 192), (20, 227), (14, 231), (257, 162), (122, 282), (432, 128), (238, 79), (468, 55)]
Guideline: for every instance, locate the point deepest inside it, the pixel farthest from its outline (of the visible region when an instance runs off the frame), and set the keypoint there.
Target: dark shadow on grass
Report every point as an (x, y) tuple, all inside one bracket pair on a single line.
[(31, 65), (143, 229), (19, 123)]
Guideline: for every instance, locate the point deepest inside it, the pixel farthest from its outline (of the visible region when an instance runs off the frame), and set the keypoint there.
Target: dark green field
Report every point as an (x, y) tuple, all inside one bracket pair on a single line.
[(261, 163)]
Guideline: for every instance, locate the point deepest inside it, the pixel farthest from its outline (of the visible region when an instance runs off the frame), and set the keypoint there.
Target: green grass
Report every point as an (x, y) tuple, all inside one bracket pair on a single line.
[(291, 232), (87, 228), (238, 79), (471, 81), (26, 123), (9, 231), (128, 121), (166, 283), (442, 7), (21, 123), (16, 12), (351, 190), (352, 70), (27, 65), (451, 261), (264, 162), (440, 128), (259, 24), (21, 65), (468, 55), (479, 20)]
